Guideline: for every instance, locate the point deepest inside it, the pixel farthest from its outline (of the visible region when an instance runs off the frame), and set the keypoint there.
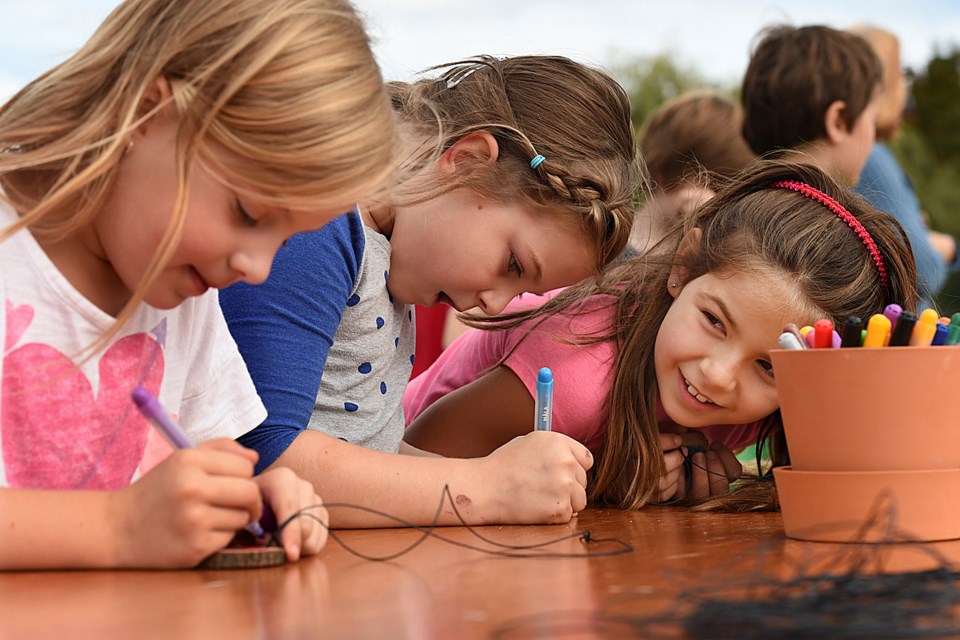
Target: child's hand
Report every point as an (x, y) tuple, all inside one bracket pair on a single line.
[(713, 471), (287, 493), (187, 507), (670, 484), (540, 477)]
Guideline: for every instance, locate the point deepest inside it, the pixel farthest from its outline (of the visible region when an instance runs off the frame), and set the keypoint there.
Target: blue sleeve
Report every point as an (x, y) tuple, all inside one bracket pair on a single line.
[(884, 184), (284, 327)]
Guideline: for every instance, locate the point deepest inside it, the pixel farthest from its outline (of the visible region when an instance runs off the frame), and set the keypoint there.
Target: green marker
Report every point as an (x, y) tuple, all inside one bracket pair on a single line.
[(953, 331)]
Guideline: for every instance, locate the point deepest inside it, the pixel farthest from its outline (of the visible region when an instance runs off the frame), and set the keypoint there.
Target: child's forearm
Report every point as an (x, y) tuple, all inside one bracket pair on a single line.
[(538, 478), (408, 487), (56, 530)]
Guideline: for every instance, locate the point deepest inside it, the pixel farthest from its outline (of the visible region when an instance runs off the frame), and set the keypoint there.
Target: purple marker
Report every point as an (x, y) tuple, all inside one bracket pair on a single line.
[(893, 311), (159, 417)]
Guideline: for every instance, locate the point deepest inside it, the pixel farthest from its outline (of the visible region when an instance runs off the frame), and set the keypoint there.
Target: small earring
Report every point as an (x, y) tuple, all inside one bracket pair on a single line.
[(129, 147), (673, 285)]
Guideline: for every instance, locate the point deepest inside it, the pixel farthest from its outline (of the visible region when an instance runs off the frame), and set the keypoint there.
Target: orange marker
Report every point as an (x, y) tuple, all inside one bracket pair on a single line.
[(925, 329), (878, 331)]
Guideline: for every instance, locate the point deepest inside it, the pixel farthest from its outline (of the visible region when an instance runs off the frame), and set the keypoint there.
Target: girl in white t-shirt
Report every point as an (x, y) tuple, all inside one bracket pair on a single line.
[(170, 156)]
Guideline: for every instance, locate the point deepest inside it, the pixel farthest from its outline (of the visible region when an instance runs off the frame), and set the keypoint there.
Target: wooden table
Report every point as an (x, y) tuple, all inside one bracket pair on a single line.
[(436, 591)]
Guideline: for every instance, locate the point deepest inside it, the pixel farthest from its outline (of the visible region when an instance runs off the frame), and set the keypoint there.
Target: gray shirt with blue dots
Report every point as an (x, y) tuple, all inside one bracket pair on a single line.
[(370, 361)]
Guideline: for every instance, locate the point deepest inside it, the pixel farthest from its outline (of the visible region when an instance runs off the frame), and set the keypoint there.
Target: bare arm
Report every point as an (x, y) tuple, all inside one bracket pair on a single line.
[(178, 513), (475, 419), (535, 479), (56, 529)]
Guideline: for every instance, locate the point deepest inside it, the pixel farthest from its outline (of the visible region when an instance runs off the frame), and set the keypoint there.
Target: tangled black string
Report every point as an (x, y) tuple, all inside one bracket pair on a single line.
[(430, 531), (849, 597)]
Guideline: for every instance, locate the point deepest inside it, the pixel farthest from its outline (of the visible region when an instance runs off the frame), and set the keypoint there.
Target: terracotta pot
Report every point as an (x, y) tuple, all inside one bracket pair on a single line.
[(826, 506), (870, 409)]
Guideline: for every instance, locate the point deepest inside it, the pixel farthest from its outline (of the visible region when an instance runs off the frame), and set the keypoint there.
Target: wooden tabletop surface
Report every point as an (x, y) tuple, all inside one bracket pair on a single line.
[(437, 590)]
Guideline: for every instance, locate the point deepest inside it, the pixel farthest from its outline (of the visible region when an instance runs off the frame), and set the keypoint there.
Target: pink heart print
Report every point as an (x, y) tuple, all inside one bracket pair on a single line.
[(58, 434)]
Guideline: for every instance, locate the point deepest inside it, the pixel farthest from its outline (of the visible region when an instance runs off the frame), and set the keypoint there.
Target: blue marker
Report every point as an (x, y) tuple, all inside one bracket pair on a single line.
[(543, 420), (940, 336)]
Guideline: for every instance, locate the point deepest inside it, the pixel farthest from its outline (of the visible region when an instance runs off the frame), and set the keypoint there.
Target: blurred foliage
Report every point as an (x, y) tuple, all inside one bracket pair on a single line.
[(652, 81), (928, 146)]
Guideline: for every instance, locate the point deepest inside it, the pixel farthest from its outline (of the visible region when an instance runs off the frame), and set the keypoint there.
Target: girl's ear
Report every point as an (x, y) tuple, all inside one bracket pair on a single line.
[(156, 94), (689, 246), (474, 149), (834, 123)]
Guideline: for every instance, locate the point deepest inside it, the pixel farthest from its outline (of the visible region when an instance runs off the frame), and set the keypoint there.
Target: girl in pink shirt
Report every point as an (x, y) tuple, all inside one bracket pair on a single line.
[(675, 340)]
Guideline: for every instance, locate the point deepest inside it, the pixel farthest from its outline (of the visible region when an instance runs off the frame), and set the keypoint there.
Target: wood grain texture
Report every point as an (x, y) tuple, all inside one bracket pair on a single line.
[(437, 591)]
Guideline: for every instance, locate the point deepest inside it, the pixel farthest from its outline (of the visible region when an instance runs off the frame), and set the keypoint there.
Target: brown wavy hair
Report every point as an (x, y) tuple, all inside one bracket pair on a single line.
[(576, 116), (694, 132), (746, 227)]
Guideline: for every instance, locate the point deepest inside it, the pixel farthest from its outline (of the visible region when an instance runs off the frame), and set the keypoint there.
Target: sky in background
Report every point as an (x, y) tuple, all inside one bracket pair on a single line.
[(713, 36)]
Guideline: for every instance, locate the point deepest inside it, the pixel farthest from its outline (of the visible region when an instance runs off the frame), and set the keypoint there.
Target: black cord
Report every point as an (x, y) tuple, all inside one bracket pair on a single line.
[(505, 550)]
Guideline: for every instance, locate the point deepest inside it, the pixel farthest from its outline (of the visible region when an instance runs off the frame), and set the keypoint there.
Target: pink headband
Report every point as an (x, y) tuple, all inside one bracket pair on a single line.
[(841, 212)]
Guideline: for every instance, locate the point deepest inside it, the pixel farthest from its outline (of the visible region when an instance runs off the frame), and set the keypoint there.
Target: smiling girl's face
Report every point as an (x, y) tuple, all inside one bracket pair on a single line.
[(712, 353)]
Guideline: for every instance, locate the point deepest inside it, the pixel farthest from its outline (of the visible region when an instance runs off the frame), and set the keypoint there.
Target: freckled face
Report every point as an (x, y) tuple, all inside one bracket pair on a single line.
[(470, 252), (712, 352), (226, 237)]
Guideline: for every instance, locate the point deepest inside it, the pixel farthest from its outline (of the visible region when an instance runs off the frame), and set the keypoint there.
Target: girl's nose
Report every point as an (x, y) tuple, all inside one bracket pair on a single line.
[(253, 265), (719, 373), (493, 301)]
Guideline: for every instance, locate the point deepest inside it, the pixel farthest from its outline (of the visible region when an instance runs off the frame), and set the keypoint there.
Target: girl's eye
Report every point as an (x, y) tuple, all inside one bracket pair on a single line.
[(713, 320), (245, 217), (766, 366), (514, 265)]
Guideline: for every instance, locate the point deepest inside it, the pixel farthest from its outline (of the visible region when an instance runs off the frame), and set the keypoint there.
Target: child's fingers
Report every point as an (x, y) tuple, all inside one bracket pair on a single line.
[(241, 497), (670, 441), (314, 521), (578, 502), (667, 489), (289, 495), (673, 460), (225, 520), (581, 476), (582, 455), (682, 485), (230, 446), (731, 466), (217, 460), (699, 480), (671, 477), (317, 534), (719, 484)]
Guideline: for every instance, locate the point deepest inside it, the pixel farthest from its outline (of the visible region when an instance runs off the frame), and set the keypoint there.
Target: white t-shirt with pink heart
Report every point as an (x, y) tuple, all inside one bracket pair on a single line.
[(64, 426)]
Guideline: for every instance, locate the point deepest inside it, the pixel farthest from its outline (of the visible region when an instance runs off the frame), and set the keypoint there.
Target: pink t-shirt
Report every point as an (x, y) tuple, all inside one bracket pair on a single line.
[(582, 373)]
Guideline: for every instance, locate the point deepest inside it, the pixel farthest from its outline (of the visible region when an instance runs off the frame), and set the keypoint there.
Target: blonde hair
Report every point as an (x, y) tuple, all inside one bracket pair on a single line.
[(291, 87), (576, 117)]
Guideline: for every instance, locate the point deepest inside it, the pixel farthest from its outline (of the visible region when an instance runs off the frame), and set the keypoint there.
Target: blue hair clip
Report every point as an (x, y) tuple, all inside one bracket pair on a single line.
[(537, 161)]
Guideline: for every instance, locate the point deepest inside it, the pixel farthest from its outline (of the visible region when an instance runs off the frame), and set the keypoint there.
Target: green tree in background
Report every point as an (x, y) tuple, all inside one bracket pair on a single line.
[(652, 81), (928, 148)]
